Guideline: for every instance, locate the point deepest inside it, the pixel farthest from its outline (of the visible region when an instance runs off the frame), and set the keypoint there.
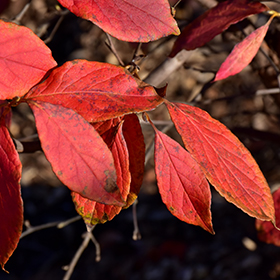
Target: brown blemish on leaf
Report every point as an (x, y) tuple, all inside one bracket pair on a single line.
[(111, 186)]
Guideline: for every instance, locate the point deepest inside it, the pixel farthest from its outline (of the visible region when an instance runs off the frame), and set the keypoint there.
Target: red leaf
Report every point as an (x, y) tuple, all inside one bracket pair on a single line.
[(11, 208), (182, 185), (266, 230), (6, 112), (97, 91), (93, 212), (243, 53), (24, 60), (136, 148), (78, 155), (134, 20), (227, 164), (215, 21)]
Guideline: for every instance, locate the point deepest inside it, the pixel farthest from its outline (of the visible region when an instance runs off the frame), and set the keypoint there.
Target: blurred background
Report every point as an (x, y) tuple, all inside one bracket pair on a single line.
[(169, 248)]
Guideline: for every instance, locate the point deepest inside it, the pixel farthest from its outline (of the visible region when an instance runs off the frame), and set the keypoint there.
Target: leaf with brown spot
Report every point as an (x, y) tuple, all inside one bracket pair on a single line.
[(78, 155), (97, 91), (93, 212)]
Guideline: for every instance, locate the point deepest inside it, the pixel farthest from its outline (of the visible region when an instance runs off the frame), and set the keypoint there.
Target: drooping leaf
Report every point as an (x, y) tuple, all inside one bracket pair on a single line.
[(11, 207), (78, 155), (108, 130), (97, 91), (266, 230), (226, 163), (134, 20), (215, 21), (94, 212), (182, 185), (103, 127), (243, 53), (136, 148), (24, 60)]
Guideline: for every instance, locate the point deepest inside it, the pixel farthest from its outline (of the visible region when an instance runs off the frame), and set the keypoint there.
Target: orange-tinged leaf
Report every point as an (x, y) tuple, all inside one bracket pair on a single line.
[(266, 230), (24, 60), (182, 185), (97, 91), (213, 22), (94, 212), (134, 20), (136, 148), (11, 208), (243, 53), (78, 155), (227, 164)]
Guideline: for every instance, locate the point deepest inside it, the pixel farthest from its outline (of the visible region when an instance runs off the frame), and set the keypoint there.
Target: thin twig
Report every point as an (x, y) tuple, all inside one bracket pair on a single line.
[(136, 232), (70, 268), (68, 222), (46, 41), (87, 236), (30, 229), (111, 46), (19, 17), (97, 248)]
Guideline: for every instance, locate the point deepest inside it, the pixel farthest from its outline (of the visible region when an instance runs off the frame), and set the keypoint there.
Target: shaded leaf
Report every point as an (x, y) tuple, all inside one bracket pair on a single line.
[(78, 155), (243, 53), (24, 60), (266, 230), (215, 21), (108, 130), (6, 112), (182, 185), (227, 164), (11, 207), (134, 20), (136, 148), (97, 91), (93, 212)]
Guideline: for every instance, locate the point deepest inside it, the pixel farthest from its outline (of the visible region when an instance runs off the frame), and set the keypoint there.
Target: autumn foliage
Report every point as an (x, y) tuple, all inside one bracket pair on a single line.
[(87, 118)]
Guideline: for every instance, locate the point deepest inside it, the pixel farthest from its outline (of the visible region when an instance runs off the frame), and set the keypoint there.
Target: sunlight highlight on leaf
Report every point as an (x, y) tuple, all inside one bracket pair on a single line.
[(182, 185), (133, 20), (24, 60), (97, 91), (78, 155), (243, 53), (226, 163)]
